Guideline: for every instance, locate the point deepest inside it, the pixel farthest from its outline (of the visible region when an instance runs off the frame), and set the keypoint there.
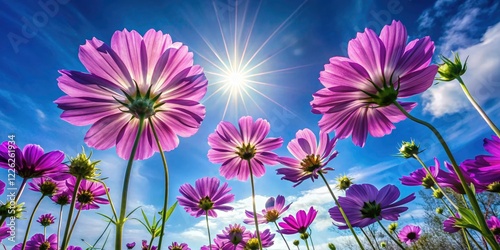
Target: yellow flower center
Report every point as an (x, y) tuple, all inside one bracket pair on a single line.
[(310, 163)]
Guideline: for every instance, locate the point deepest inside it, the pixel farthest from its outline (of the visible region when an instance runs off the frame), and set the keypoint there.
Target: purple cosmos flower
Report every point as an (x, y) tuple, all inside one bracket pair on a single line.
[(2, 187), (73, 248), (310, 156), (177, 246), (136, 76), (46, 219), (62, 198), (266, 238), (234, 237), (4, 232), (274, 209), (218, 245), (364, 204), (130, 245), (451, 180), (88, 194), (236, 149), (360, 90), (38, 242), (145, 246), (32, 162), (409, 234), (494, 225), (205, 197), (299, 223), (485, 168), (421, 177), (46, 186), (449, 225)]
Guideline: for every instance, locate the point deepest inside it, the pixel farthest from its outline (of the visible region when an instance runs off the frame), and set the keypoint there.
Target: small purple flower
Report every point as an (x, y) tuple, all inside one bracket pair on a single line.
[(73, 248), (88, 194), (46, 186), (206, 197), (274, 209), (311, 156), (137, 76), (409, 234), (218, 245), (46, 220), (451, 180), (2, 187), (299, 223), (494, 225), (449, 225), (38, 242), (360, 91), (236, 149), (177, 246), (364, 204), (421, 177), (234, 237), (145, 246), (32, 162), (266, 238), (4, 232), (130, 245), (485, 169), (62, 198)]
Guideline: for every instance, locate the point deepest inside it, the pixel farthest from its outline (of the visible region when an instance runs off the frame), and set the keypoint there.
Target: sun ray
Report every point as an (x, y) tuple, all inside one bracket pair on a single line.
[(223, 37), (279, 70), (256, 104), (248, 36), (270, 99), (267, 59)]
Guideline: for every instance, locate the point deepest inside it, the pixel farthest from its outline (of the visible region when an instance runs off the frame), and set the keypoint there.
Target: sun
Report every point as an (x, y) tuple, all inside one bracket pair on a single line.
[(236, 80)]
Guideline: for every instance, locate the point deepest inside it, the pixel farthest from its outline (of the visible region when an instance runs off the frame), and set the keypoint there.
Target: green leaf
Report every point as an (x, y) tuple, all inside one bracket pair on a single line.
[(467, 219), (132, 211), (170, 210), (107, 217)]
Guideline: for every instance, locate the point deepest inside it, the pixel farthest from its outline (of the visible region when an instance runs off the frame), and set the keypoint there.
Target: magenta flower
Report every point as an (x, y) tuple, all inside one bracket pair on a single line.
[(148, 77), (494, 225), (310, 156), (360, 90), (449, 225), (2, 187), (274, 209), (88, 195), (364, 204), (218, 245), (451, 180), (73, 248), (177, 246), (206, 197), (130, 245), (266, 238), (38, 242), (236, 149), (32, 162), (145, 246), (46, 220), (485, 169), (409, 234), (421, 177), (46, 186), (299, 223), (4, 232), (234, 237), (62, 198)]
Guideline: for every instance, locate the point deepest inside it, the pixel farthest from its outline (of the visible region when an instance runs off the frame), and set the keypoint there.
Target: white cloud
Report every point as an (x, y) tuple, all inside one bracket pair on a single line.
[(482, 78)]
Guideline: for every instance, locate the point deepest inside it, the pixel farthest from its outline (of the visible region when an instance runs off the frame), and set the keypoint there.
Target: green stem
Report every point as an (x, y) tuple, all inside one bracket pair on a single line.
[(102, 234), (368, 238), (65, 241), (375, 239), (474, 240), (21, 189), (390, 235), (485, 231), (253, 205), (341, 210), (307, 244), (208, 230), (30, 221), (123, 207), (278, 228), (74, 223), (109, 199), (478, 108), (434, 179), (150, 246), (165, 168), (466, 239), (59, 225), (311, 239)]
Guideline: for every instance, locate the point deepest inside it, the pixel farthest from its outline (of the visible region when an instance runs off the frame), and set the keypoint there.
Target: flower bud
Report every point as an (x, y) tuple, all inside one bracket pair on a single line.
[(494, 187), (304, 236), (331, 246), (82, 167), (392, 227), (408, 149), (344, 182), (296, 242), (383, 244), (449, 70), (252, 244), (437, 194), (439, 210)]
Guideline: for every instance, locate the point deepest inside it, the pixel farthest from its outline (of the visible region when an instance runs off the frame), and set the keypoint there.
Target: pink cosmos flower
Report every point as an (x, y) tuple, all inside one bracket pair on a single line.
[(218, 245), (236, 149), (274, 209), (177, 246), (310, 157), (38, 242), (46, 186), (88, 195), (206, 197), (485, 169), (62, 198), (136, 76), (73, 248), (409, 234), (360, 90), (234, 237), (46, 219), (421, 177), (2, 187), (451, 180), (4, 232), (145, 246), (449, 225), (364, 204), (299, 223), (130, 245), (266, 238), (32, 162), (494, 225)]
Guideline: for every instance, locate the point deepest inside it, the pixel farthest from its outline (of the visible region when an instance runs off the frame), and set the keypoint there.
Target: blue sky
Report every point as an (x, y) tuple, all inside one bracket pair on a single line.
[(288, 43)]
